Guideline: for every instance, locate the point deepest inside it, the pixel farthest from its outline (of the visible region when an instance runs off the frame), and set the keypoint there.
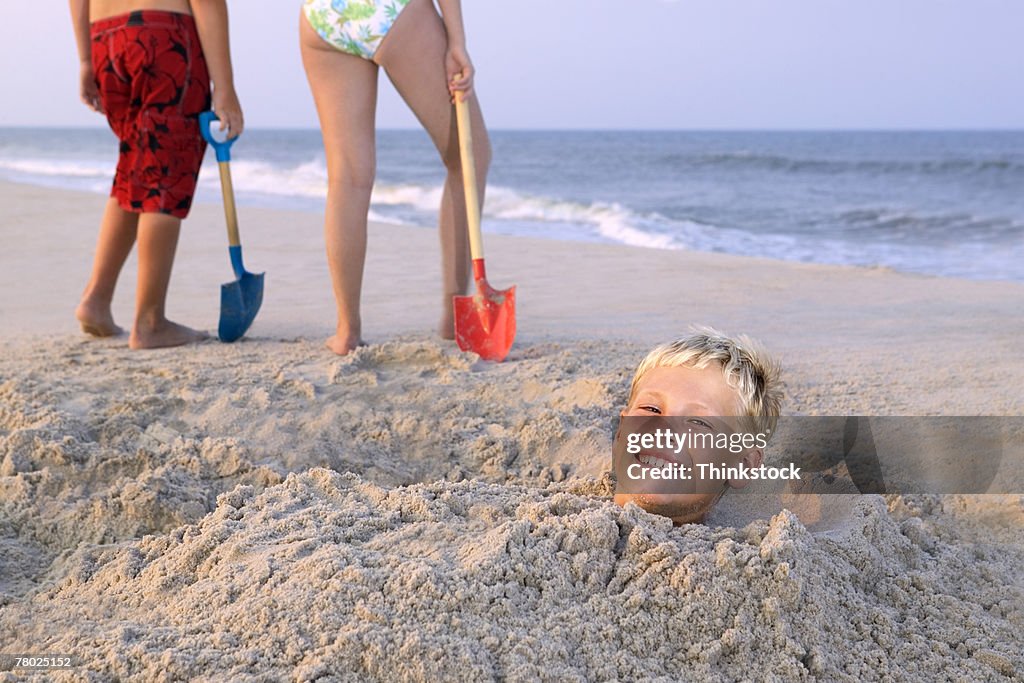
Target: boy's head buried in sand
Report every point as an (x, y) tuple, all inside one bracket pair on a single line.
[(706, 374)]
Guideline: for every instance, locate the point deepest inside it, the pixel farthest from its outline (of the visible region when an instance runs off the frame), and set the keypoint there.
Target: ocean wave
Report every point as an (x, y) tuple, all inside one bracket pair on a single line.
[(894, 223), (57, 168), (958, 243), (306, 180), (601, 221), (608, 220), (770, 162), (419, 197), (565, 219)]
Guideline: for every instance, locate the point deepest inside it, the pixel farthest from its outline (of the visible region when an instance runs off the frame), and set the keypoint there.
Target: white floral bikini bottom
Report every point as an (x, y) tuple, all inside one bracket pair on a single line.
[(353, 26)]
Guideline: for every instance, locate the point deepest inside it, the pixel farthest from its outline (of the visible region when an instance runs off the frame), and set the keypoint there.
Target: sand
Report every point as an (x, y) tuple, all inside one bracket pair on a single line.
[(267, 511)]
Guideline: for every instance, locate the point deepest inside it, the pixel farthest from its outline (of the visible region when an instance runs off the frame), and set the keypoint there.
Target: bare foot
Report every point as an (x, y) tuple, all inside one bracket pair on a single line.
[(343, 345), (163, 334), (96, 319)]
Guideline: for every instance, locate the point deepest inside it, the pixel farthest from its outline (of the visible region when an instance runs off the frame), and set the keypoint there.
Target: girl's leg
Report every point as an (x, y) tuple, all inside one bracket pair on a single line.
[(158, 240), (118, 229), (345, 91), (413, 55)]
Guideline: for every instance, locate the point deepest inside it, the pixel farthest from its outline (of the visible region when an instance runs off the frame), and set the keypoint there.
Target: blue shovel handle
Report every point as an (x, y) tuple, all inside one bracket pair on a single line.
[(221, 147)]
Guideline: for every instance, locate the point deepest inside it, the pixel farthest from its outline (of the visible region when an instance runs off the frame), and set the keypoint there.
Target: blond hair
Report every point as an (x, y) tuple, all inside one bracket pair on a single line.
[(747, 367)]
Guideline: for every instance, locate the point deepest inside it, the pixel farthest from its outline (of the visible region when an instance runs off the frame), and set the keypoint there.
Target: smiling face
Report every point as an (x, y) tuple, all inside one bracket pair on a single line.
[(703, 396)]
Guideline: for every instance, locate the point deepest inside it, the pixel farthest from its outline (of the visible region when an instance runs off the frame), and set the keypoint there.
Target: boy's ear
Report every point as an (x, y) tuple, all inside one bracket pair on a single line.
[(752, 458)]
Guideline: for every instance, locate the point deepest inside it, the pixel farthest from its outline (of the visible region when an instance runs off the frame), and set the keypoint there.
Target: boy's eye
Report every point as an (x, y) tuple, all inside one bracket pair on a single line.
[(701, 423), (651, 409)]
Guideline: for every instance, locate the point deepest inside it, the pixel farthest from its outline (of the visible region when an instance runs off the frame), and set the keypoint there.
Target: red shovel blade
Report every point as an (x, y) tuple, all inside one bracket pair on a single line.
[(485, 323)]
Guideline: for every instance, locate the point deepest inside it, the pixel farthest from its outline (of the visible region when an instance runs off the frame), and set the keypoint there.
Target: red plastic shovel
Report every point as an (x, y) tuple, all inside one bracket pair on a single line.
[(485, 322)]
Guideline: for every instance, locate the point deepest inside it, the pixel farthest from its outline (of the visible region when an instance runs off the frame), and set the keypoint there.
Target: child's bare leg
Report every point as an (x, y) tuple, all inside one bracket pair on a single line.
[(345, 91), (158, 240), (116, 239), (413, 56)]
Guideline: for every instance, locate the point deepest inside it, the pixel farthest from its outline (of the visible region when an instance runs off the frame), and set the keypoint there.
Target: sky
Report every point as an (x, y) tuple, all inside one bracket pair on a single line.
[(622, 64)]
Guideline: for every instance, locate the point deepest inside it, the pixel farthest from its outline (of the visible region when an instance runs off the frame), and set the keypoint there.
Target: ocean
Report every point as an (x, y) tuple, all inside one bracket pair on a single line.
[(938, 203)]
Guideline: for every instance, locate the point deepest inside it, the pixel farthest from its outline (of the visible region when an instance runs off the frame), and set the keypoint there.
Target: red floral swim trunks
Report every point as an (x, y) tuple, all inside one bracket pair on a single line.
[(153, 83)]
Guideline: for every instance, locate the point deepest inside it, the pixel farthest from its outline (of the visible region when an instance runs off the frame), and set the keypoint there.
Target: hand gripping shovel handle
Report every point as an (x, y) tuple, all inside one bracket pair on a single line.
[(221, 147), (223, 150)]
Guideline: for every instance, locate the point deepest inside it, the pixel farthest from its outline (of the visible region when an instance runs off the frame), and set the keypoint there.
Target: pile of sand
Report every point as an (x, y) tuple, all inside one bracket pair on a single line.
[(99, 446), (329, 574), (172, 514)]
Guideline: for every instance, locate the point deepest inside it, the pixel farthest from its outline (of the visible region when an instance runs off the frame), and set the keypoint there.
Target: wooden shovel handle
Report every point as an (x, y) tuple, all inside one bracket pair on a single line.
[(230, 214), (476, 242)]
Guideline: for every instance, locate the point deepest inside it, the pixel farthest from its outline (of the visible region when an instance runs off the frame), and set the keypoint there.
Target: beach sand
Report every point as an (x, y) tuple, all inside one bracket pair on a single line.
[(268, 511)]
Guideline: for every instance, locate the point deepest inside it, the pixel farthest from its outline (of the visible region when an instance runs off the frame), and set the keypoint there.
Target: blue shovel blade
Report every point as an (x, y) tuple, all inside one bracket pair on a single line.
[(239, 303)]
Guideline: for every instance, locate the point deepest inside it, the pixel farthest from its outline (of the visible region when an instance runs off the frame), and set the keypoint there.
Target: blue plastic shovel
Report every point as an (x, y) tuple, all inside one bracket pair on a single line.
[(239, 300)]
